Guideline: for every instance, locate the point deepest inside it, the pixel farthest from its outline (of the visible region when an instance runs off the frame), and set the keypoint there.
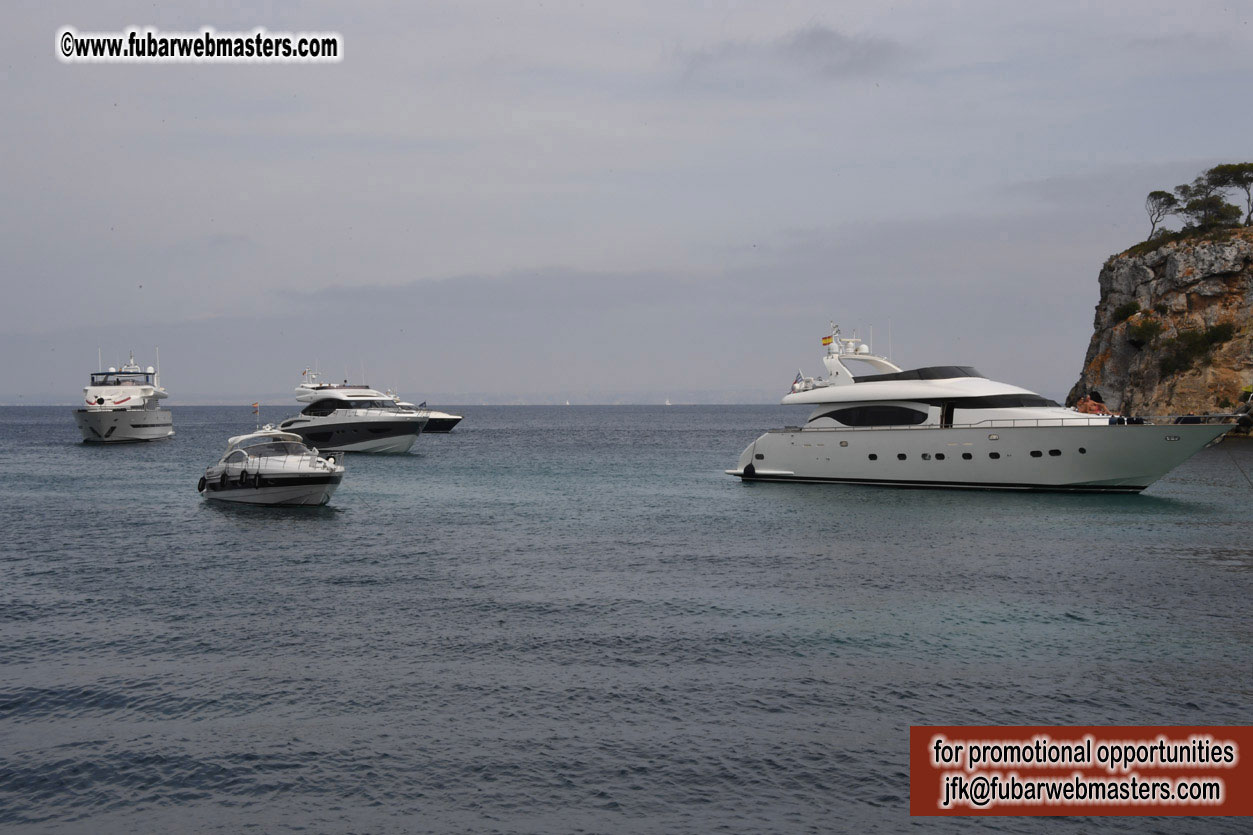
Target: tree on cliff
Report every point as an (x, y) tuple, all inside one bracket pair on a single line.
[(1159, 205), (1238, 175), (1203, 205)]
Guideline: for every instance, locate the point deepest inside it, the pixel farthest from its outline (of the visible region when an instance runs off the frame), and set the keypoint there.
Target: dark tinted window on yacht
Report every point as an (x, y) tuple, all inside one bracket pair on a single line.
[(1001, 401), (370, 404), (934, 372), (877, 416), (321, 408)]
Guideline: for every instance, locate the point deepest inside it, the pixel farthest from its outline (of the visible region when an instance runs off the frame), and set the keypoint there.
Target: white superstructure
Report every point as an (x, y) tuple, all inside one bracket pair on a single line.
[(123, 404), (353, 418), (948, 426), (271, 468)]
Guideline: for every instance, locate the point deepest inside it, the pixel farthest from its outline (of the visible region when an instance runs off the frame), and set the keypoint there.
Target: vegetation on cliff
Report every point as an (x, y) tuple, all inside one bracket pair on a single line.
[(1201, 205)]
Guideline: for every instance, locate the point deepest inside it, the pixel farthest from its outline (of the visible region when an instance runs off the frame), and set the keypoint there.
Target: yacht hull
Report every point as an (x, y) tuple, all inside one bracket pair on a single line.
[(1091, 458), (299, 491), (110, 426), (441, 422), (376, 436)]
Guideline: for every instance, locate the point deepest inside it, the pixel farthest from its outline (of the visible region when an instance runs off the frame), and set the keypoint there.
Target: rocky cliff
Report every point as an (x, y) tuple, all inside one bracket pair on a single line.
[(1174, 327)]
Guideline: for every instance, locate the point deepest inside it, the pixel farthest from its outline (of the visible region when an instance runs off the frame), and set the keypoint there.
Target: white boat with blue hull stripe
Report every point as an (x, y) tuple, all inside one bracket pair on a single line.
[(948, 426)]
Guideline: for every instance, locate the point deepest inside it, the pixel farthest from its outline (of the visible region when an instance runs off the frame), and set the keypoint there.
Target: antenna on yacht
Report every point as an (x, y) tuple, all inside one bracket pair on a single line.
[(99, 359), (157, 379), (889, 337)]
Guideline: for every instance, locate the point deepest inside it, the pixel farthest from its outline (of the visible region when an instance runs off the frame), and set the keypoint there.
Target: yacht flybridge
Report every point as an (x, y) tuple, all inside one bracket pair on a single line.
[(123, 404), (353, 418), (949, 426)]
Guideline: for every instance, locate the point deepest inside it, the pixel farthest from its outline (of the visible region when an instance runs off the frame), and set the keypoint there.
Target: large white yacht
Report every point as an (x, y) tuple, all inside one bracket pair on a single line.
[(353, 418), (123, 404), (949, 426), (271, 468)]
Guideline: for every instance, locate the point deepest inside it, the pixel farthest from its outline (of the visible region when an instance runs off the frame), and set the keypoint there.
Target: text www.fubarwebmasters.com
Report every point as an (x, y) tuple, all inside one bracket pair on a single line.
[(205, 46)]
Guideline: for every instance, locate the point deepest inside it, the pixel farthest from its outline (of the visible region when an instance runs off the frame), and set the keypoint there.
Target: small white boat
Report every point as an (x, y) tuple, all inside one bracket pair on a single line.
[(124, 405), (272, 468)]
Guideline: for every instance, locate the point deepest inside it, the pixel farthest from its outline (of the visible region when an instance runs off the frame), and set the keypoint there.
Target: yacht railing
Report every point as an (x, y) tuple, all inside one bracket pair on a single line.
[(290, 460), (1006, 423), (372, 412)]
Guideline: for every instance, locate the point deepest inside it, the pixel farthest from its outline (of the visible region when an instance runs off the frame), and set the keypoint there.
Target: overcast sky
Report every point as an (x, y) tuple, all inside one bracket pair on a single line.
[(601, 202)]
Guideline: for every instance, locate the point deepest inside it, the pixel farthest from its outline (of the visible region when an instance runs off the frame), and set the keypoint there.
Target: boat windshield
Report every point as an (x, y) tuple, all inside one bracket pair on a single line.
[(121, 378), (267, 449), (933, 372)]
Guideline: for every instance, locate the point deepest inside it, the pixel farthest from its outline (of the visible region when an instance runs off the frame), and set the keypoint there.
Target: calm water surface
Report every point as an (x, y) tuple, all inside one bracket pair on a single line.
[(568, 619)]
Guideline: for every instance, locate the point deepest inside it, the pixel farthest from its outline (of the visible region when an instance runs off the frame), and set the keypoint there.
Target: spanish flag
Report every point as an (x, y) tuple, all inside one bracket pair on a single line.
[(827, 340)]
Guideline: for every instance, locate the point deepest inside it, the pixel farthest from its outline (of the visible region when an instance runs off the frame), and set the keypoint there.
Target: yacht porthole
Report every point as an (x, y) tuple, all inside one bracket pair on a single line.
[(1035, 453), (1083, 451), (1055, 452), (939, 456), (900, 456), (967, 456), (994, 455), (926, 456), (760, 457), (873, 457)]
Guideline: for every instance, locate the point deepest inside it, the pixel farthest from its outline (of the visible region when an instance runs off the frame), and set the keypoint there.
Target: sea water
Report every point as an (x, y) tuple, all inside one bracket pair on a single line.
[(562, 619)]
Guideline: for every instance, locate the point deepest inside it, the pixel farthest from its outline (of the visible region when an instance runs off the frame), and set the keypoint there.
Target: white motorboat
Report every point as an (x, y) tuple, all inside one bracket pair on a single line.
[(436, 421), (353, 418), (949, 426), (272, 468), (124, 405)]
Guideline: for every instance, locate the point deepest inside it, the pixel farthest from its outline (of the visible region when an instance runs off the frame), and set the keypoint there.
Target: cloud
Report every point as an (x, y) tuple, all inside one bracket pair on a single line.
[(811, 52)]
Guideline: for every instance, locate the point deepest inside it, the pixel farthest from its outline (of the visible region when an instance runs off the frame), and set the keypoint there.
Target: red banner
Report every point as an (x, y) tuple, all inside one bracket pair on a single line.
[(1081, 770)]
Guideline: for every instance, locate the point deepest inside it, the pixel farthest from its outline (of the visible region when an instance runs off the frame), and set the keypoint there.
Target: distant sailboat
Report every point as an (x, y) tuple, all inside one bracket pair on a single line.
[(667, 401)]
